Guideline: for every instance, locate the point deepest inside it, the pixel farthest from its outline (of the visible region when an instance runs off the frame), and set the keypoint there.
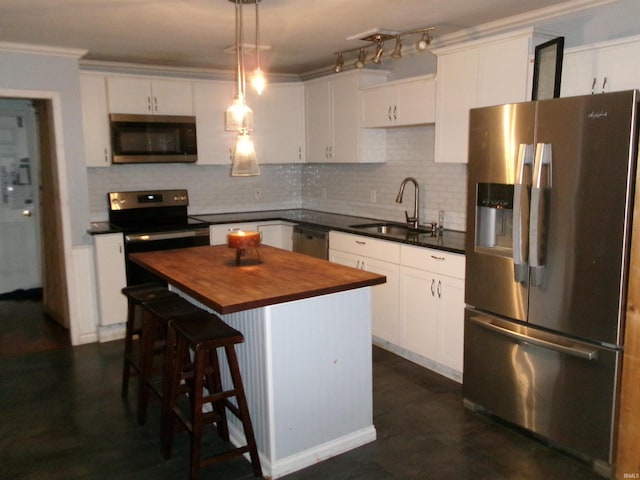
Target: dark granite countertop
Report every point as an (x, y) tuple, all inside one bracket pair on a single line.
[(448, 240)]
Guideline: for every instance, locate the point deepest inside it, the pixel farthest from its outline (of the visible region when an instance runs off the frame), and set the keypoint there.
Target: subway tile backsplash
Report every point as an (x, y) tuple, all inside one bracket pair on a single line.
[(355, 189)]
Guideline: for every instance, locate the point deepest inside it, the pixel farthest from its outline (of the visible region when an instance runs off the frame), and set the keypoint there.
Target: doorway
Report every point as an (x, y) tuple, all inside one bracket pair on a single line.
[(33, 295)]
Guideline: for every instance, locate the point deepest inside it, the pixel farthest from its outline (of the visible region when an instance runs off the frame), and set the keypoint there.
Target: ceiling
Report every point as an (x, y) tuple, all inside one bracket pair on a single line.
[(303, 34)]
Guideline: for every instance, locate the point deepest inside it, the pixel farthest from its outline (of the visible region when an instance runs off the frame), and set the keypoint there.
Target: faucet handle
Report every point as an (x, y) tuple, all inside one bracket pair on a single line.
[(409, 219)]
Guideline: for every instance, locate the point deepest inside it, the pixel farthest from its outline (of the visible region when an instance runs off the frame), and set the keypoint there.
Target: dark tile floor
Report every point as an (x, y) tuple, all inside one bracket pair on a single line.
[(62, 417)]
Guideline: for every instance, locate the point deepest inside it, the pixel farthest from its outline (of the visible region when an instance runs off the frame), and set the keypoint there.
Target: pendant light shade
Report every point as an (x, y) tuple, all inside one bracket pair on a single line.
[(258, 78), (239, 116), (245, 163)]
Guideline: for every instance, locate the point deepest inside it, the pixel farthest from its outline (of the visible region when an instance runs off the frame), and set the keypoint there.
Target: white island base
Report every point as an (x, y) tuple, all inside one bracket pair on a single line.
[(306, 368)]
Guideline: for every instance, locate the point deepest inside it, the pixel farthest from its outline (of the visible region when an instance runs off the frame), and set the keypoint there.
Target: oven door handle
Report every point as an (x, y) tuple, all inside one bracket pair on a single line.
[(148, 237)]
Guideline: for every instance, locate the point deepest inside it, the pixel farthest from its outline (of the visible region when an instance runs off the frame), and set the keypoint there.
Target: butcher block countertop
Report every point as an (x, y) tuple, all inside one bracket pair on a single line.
[(210, 275)]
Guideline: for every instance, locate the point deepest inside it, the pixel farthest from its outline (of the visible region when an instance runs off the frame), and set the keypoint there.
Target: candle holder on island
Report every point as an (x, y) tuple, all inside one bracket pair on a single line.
[(246, 245)]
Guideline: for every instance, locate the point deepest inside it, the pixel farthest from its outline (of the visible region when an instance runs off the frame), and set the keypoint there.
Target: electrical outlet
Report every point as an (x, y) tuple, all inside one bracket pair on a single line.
[(257, 194), (373, 196), (323, 193)]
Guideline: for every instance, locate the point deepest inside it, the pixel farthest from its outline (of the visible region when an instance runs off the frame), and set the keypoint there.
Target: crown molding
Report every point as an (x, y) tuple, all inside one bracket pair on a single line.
[(41, 50)]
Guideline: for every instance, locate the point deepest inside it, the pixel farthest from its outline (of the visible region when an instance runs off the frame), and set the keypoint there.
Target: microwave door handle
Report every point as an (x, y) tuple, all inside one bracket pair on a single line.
[(539, 196), (521, 214)]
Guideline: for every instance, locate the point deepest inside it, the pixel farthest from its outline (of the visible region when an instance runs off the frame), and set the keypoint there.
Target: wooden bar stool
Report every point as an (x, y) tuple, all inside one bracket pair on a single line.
[(200, 336), (137, 296), (155, 320)]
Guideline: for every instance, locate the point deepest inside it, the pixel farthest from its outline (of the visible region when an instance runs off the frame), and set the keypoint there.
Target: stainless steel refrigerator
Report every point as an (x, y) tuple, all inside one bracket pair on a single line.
[(550, 190)]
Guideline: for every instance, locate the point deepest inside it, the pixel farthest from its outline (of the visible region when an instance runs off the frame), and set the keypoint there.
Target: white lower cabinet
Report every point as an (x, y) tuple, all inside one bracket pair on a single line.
[(432, 308), (109, 260), (377, 256)]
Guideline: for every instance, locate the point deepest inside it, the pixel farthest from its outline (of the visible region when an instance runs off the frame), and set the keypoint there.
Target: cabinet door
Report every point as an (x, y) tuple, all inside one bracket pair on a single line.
[(346, 119), (95, 120), (211, 99), (455, 95), (578, 74), (386, 301), (218, 233), (619, 68), (172, 97), (110, 278), (502, 73), (450, 293), (279, 123), (419, 312), (377, 106), (130, 95), (318, 112), (385, 297), (415, 102), (277, 235)]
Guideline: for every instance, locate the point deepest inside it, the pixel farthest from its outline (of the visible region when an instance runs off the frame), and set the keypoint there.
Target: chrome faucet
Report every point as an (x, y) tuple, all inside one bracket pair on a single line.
[(414, 220)]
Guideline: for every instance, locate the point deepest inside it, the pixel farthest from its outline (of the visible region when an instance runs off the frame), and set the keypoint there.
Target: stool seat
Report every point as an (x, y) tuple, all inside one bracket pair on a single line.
[(137, 296), (194, 369)]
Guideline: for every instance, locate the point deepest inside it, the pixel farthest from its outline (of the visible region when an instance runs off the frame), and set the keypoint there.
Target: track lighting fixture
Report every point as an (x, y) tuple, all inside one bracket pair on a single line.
[(339, 63), (376, 41)]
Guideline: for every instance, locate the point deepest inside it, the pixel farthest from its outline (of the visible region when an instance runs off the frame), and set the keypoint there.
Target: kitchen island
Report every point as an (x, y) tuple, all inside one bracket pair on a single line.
[(306, 359)]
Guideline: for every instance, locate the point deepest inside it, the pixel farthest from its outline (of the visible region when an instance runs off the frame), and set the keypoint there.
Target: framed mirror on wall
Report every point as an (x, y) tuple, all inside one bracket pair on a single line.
[(547, 69)]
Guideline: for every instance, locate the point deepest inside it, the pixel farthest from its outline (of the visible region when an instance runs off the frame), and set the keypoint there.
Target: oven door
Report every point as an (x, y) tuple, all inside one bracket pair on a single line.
[(149, 242)]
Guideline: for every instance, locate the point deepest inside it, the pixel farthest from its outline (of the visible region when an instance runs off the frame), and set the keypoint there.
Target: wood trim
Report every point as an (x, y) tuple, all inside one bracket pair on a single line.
[(628, 438), (54, 277)]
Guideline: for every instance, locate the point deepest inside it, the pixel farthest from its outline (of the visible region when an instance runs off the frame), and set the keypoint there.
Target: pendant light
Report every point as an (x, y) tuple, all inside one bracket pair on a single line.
[(258, 80), (239, 117)]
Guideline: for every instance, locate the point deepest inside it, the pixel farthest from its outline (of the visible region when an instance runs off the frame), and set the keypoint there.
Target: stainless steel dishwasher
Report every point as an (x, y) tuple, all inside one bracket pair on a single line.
[(313, 241)]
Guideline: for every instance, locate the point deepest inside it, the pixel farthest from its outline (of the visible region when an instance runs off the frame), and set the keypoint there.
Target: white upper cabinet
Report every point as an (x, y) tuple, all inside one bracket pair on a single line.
[(604, 67), (95, 120), (333, 113), (401, 103), (490, 71), (150, 96), (278, 116), (210, 100)]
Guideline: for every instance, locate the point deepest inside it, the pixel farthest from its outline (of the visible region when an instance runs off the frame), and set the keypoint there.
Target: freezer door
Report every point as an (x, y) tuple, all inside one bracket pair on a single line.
[(580, 206), (499, 174), (559, 388)]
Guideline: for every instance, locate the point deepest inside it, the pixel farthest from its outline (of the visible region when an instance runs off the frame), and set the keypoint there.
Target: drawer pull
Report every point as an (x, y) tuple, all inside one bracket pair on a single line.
[(360, 242), (438, 258)]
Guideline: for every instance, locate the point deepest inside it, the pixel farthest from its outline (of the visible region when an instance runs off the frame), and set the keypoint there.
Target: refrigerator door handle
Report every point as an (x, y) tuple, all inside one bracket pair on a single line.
[(566, 347), (521, 214), (537, 227)]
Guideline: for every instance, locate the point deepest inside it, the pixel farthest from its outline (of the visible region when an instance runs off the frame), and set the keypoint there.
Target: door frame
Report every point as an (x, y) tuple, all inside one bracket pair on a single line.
[(55, 104)]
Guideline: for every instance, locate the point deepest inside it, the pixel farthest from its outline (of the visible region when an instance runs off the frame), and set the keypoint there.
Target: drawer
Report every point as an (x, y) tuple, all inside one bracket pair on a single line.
[(435, 261), (365, 246)]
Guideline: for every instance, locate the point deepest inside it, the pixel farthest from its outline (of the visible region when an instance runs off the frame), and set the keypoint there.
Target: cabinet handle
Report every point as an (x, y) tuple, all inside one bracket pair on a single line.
[(361, 242), (440, 259), (358, 264), (362, 267), (389, 113), (106, 155), (155, 104), (604, 84), (433, 287), (439, 289), (149, 104), (593, 86), (395, 112), (299, 153)]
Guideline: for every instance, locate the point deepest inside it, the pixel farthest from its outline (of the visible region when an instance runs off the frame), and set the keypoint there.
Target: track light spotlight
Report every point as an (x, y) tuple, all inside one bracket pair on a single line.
[(377, 58), (397, 50), (362, 56), (339, 63), (424, 42)]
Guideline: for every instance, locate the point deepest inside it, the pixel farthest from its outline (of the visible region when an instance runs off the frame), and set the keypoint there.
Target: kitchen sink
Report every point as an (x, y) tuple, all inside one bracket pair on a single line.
[(386, 228)]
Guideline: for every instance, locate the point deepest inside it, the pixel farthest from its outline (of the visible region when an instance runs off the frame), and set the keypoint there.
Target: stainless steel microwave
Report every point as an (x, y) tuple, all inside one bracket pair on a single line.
[(153, 138)]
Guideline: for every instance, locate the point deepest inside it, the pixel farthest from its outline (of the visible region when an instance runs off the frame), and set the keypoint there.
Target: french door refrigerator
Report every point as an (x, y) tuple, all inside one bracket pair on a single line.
[(550, 190)]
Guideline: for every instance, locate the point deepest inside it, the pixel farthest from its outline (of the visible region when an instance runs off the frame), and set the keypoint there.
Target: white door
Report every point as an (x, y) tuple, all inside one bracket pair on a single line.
[(19, 206)]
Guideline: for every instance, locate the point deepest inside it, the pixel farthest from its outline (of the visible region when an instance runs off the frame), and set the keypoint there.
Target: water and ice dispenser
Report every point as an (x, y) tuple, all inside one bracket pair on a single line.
[(494, 218)]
